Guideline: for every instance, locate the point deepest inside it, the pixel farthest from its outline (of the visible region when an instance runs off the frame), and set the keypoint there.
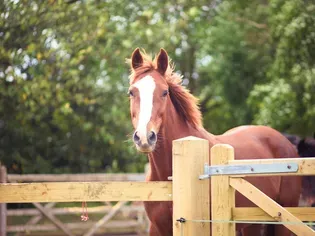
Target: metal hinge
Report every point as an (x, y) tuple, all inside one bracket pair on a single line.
[(248, 169)]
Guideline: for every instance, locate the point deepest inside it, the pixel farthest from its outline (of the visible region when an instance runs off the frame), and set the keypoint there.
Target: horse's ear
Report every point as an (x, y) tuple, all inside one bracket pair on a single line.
[(162, 61), (136, 59)]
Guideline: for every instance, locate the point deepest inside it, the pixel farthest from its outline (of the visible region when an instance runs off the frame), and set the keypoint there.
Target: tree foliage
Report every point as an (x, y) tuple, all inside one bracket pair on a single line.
[(63, 75), (287, 101)]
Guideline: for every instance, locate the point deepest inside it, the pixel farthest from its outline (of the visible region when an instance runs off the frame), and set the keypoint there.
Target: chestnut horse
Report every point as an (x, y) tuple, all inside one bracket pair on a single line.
[(305, 148), (162, 111)]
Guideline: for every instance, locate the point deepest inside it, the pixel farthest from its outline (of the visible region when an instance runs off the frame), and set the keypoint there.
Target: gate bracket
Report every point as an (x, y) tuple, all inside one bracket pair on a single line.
[(273, 168)]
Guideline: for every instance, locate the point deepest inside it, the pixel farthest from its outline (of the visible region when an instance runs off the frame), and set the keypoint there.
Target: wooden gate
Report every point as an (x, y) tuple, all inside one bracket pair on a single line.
[(223, 185)]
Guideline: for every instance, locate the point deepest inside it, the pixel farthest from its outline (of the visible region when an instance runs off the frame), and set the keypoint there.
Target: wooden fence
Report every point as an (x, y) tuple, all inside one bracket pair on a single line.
[(127, 218), (190, 195)]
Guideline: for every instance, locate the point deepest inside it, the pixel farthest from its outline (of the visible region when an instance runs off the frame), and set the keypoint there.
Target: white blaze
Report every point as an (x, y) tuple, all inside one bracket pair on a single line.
[(146, 87)]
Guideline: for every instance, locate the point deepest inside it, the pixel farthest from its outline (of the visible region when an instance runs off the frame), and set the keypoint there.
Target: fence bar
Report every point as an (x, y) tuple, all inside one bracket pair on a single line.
[(190, 195), (75, 177), (306, 165), (270, 206), (257, 214), (3, 206), (85, 191), (222, 195)]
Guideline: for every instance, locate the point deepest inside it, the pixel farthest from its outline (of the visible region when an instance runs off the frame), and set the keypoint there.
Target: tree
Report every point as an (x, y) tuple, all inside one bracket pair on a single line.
[(287, 101), (58, 114), (63, 74)]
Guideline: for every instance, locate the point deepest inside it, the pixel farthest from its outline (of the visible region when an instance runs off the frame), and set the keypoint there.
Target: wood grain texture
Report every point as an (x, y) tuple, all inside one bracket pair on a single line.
[(190, 195), (306, 165), (270, 206), (76, 177), (222, 194), (257, 214), (85, 191)]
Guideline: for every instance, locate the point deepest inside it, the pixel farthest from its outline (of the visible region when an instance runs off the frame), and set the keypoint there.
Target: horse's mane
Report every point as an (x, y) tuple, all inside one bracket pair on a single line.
[(184, 102)]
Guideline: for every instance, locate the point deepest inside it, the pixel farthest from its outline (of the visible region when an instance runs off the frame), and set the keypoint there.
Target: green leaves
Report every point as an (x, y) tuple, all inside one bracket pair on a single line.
[(53, 111), (288, 103), (274, 104), (63, 75)]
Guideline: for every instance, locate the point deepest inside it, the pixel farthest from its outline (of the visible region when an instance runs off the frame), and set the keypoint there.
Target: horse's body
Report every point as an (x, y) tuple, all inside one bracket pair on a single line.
[(173, 115)]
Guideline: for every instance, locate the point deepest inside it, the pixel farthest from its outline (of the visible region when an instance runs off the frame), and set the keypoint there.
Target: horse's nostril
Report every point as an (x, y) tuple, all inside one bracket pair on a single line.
[(152, 138), (136, 138)]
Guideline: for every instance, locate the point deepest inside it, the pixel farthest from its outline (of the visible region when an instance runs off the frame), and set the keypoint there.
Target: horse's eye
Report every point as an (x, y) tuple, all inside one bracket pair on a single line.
[(130, 93), (165, 92)]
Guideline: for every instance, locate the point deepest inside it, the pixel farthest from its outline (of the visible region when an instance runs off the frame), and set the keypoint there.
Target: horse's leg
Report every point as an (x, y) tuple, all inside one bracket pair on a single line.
[(290, 189), (281, 231), (275, 230), (158, 230), (254, 230), (160, 216), (153, 230)]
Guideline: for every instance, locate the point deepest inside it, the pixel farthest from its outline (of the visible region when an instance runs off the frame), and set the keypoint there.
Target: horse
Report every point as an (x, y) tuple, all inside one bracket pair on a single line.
[(305, 148), (162, 110), (294, 139)]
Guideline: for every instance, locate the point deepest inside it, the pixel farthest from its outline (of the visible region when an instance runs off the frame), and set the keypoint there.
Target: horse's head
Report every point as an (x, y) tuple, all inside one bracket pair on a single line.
[(148, 94)]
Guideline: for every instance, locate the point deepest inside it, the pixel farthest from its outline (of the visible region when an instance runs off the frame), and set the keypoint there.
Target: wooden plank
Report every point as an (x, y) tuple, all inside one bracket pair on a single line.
[(36, 219), (75, 177), (3, 206), (104, 219), (257, 214), (75, 210), (190, 195), (53, 219), (306, 165), (112, 225), (222, 194), (271, 207), (85, 191)]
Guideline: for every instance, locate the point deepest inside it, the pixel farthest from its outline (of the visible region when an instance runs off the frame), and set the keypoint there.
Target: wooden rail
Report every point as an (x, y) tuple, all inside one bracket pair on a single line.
[(74, 210), (138, 222), (85, 191), (75, 177), (306, 165)]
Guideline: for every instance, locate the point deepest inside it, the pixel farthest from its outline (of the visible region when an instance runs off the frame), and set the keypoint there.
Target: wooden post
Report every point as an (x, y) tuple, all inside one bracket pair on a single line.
[(190, 195), (222, 194), (3, 206)]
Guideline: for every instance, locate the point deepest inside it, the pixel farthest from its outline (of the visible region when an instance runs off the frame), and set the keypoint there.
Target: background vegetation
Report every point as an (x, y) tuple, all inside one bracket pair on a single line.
[(63, 76)]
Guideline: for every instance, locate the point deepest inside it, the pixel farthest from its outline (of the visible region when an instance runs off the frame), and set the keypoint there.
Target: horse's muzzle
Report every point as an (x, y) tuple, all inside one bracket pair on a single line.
[(146, 143)]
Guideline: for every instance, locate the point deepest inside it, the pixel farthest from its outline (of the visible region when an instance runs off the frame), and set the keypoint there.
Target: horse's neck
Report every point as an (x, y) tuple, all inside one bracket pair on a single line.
[(173, 127)]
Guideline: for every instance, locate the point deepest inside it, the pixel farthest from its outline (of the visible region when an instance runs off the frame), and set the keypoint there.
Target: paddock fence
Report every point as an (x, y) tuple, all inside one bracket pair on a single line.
[(118, 218), (189, 191)]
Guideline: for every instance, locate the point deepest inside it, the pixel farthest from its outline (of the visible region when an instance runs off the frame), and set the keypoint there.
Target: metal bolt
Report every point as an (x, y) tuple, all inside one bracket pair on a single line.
[(252, 169), (289, 167), (181, 220), (279, 213)]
